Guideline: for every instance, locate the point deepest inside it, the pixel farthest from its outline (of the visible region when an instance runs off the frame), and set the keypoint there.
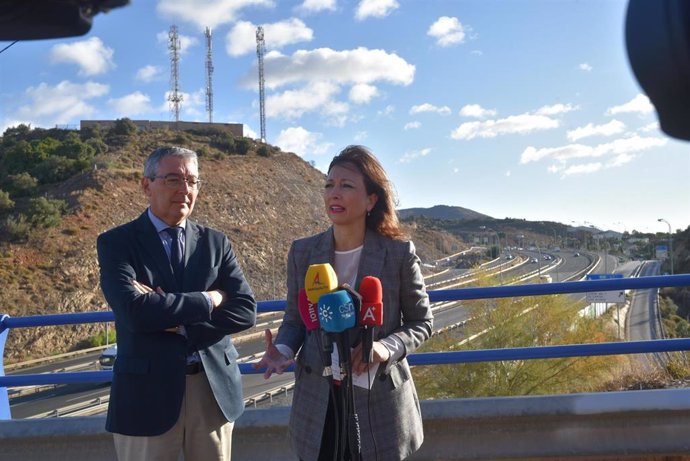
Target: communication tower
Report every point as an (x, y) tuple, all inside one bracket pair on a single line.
[(260, 50), (209, 76), (174, 97)]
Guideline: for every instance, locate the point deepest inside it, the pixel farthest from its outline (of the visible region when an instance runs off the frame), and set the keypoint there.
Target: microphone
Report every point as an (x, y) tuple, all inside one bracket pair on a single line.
[(337, 315), (370, 314), (307, 311), (310, 317), (320, 279)]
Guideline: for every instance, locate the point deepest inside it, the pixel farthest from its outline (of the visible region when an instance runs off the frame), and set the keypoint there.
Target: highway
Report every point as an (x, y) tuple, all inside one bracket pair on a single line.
[(562, 267)]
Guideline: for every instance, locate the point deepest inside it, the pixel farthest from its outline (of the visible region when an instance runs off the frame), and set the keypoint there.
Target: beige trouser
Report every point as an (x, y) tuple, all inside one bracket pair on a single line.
[(201, 432)]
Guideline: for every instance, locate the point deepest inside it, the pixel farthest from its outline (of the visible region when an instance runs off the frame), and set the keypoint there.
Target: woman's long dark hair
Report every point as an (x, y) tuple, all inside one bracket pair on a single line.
[(382, 218)]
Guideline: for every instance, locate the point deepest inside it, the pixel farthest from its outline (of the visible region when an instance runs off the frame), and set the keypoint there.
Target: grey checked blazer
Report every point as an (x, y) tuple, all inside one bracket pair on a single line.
[(396, 421)]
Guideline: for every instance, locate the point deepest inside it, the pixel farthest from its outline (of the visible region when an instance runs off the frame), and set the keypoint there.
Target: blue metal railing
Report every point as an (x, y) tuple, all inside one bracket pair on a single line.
[(429, 358)]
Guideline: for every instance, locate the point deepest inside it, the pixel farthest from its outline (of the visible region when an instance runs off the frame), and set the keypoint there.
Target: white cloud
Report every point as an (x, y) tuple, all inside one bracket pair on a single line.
[(447, 31), (639, 104), (524, 123), (426, 107), (414, 154), (585, 66), (375, 9), (362, 93), (476, 111), (60, 104), (314, 6), (620, 160), (131, 104), (186, 42), (91, 55), (293, 104), (302, 142), (608, 129), (361, 136), (387, 111), (149, 73), (556, 109), (508, 173), (654, 126), (412, 126), (585, 168), (242, 37), (360, 65), (207, 13), (620, 146), (249, 133), (477, 53), (193, 105)]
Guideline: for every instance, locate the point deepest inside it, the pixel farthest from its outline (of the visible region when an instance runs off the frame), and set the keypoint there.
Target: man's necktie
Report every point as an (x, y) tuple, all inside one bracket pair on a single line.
[(176, 254)]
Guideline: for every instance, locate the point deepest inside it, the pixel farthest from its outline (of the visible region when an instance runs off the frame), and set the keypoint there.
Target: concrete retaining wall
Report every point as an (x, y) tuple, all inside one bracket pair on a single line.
[(635, 424)]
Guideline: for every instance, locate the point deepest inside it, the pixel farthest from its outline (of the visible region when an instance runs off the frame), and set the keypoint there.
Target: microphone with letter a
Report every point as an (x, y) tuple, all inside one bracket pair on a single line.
[(370, 314), (320, 279)]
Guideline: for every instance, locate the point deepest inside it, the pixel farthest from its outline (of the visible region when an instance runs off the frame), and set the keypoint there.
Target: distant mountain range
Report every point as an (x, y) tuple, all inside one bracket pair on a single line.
[(443, 212)]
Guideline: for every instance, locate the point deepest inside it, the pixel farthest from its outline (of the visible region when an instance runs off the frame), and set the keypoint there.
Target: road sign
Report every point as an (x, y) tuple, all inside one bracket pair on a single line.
[(661, 252), (615, 296)]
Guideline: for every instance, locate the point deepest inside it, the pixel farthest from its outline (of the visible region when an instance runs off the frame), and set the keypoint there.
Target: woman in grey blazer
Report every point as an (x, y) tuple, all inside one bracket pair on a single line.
[(365, 239)]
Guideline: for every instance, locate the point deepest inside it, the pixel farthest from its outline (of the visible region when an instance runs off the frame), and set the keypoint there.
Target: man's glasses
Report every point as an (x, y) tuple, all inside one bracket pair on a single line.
[(174, 181)]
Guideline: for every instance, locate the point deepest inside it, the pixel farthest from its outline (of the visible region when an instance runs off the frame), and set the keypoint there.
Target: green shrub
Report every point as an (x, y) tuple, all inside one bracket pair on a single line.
[(242, 146), (6, 203), (43, 213), (98, 146), (223, 141), (20, 185), (124, 127), (264, 151), (99, 339), (17, 229)]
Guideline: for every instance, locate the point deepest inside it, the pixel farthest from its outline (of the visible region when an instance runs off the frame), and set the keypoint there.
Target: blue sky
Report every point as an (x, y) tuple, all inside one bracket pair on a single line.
[(522, 109)]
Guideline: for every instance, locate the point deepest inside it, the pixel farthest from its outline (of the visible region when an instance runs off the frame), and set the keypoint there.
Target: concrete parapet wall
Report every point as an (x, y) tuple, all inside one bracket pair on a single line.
[(624, 425)]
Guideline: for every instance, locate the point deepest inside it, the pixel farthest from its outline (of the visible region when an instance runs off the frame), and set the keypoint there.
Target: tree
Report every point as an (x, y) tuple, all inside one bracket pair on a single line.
[(124, 126), (518, 322)]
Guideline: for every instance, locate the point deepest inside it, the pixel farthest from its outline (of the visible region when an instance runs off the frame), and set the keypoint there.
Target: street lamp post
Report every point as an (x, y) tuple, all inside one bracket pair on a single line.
[(670, 241)]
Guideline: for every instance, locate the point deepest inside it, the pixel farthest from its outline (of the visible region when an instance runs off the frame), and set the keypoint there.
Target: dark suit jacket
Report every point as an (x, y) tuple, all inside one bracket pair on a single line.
[(391, 415), (149, 373)]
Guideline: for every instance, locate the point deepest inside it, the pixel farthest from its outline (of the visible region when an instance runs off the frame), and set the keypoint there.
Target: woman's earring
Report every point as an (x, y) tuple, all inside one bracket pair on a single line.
[(368, 213)]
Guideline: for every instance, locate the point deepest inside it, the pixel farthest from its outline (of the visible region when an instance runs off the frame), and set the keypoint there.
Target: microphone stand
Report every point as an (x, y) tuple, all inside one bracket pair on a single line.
[(325, 345), (353, 434)]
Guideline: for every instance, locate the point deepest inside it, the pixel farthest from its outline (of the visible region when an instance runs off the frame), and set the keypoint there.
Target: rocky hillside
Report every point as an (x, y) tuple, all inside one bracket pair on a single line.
[(262, 203)]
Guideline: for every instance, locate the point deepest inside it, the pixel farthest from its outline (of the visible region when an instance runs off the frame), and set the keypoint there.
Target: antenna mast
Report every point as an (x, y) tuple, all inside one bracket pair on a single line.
[(260, 50), (175, 98), (209, 76)]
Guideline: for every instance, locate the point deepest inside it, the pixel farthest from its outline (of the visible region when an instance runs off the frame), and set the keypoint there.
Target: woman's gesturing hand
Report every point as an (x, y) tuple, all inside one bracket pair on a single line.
[(272, 360)]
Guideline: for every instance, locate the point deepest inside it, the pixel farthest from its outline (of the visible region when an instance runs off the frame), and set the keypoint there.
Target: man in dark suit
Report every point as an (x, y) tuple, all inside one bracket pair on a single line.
[(178, 293)]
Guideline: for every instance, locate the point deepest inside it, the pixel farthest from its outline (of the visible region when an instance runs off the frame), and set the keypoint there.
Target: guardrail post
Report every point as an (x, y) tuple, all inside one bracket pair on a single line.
[(4, 399)]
